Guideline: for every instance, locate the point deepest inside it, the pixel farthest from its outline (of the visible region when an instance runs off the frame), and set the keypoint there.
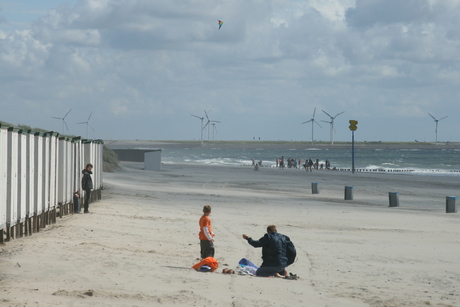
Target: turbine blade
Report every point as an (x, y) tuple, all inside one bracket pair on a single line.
[(307, 121), (443, 117), (197, 116), (327, 113), (432, 116), (91, 127), (66, 126), (206, 114), (326, 121), (317, 123), (67, 114), (339, 114), (89, 116), (81, 123), (314, 113), (56, 117)]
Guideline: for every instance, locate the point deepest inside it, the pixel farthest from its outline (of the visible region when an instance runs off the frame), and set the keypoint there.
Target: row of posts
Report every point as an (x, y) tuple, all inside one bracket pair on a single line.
[(393, 197)]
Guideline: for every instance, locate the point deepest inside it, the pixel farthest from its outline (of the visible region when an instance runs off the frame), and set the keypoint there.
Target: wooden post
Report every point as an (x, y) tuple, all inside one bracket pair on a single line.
[(450, 204), (8, 233), (394, 199), (348, 193), (30, 226), (314, 188)]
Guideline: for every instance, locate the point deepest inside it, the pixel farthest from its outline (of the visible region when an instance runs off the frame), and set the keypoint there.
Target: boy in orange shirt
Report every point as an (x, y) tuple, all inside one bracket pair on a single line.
[(206, 235)]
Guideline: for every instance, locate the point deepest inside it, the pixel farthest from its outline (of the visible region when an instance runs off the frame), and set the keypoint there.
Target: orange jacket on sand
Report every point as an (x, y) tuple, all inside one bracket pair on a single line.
[(210, 261)]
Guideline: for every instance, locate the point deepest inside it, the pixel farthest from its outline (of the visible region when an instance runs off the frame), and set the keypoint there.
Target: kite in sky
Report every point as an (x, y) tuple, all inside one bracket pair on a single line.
[(220, 23)]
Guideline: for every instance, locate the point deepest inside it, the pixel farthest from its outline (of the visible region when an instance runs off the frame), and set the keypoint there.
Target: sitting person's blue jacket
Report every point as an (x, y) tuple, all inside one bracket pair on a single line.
[(273, 249)]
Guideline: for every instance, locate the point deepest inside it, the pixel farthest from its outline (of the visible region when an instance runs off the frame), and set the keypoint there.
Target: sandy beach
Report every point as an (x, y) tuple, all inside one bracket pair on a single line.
[(138, 244)]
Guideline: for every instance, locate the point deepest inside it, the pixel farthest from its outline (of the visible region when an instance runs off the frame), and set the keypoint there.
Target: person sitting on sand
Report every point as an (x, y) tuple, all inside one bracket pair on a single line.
[(277, 253)]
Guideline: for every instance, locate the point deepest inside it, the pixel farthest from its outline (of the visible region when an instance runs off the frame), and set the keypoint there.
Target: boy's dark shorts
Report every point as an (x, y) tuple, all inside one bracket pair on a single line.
[(207, 248)]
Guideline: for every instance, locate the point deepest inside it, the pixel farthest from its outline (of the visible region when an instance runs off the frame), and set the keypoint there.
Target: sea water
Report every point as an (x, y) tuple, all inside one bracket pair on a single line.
[(420, 161)]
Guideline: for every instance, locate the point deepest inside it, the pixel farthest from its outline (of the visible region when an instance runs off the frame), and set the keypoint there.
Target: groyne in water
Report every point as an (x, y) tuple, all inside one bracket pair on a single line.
[(39, 173)]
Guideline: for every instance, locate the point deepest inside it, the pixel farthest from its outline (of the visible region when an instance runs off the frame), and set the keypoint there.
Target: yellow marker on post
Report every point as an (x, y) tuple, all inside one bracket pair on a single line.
[(353, 126)]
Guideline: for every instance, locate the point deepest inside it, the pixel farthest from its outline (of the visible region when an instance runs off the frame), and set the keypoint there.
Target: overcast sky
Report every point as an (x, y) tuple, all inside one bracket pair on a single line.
[(143, 67)]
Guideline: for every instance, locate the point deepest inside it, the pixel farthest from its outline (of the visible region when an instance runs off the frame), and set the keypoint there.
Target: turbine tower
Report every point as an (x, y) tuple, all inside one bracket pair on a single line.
[(87, 124), (313, 121), (436, 121), (332, 124), (64, 124), (214, 130), (201, 118)]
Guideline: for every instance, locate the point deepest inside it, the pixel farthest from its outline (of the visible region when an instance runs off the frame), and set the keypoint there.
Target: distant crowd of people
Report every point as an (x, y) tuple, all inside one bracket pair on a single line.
[(309, 165)]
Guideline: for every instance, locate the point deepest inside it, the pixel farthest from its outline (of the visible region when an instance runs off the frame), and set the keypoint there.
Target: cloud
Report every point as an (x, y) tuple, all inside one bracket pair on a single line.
[(153, 63), (385, 12)]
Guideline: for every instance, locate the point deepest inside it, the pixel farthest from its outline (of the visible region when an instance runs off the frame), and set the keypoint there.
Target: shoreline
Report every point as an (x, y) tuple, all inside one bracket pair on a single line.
[(394, 171)]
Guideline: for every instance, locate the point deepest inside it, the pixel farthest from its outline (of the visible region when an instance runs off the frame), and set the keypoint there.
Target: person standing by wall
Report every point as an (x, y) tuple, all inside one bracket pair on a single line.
[(87, 185)]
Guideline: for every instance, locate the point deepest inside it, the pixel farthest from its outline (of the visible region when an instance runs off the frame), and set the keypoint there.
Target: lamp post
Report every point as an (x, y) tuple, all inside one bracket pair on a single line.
[(353, 127)]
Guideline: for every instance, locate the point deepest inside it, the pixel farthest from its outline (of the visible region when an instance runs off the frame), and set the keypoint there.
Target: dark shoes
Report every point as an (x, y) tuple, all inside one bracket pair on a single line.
[(86, 211), (292, 277)]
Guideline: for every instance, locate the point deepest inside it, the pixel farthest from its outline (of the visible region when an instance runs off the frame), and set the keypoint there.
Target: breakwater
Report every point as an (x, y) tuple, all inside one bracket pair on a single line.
[(39, 173)]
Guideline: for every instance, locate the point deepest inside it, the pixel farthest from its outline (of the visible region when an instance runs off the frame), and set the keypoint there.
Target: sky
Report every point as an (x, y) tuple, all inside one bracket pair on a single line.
[(143, 67)]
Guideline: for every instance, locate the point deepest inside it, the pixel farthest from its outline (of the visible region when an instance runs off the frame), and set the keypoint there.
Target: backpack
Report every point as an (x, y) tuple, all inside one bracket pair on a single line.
[(291, 253)]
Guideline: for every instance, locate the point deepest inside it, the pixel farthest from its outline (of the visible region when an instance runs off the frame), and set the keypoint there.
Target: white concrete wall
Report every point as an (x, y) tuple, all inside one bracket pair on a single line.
[(38, 188), (22, 177), (152, 160), (12, 178), (3, 175), (54, 165), (61, 176), (30, 175), (46, 173)]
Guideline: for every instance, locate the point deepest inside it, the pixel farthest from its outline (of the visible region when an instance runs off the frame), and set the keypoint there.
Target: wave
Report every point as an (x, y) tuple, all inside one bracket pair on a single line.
[(422, 161), (412, 170)]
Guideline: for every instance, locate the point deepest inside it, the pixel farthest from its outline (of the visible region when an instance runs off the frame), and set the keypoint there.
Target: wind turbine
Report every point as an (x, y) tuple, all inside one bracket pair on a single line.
[(332, 124), (214, 129), (64, 124), (202, 118), (87, 124), (436, 121), (312, 120), (209, 121)]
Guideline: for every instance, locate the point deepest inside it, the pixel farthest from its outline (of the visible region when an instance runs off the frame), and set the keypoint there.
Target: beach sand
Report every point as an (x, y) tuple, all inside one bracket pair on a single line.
[(138, 244)]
